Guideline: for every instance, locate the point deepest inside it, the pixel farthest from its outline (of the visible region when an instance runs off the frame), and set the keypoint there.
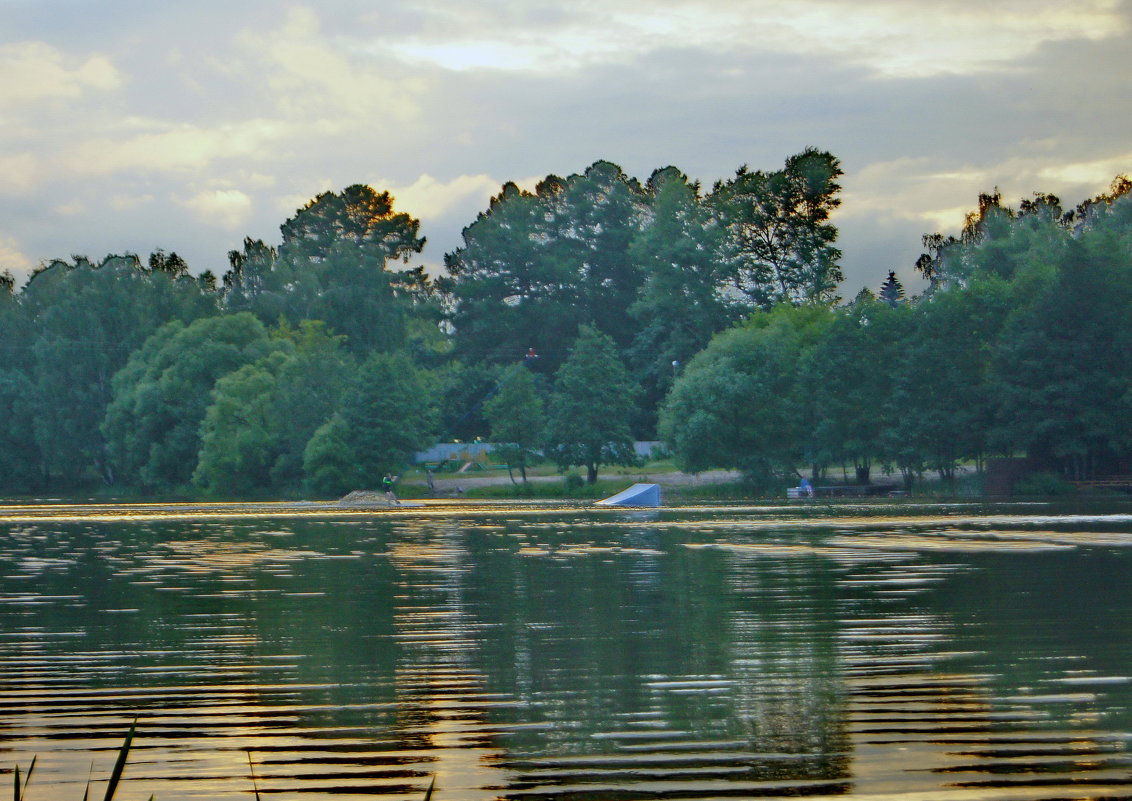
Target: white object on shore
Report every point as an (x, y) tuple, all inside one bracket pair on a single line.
[(636, 495)]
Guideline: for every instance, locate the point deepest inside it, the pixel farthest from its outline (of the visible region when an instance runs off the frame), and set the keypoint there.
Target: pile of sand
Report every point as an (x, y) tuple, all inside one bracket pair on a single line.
[(365, 498)]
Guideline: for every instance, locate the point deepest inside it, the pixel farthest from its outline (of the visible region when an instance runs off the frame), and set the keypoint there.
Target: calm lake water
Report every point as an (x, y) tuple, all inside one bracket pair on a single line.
[(546, 651)]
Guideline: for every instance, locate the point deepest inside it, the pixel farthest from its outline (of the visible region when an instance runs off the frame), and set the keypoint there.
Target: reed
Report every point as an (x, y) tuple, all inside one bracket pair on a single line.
[(21, 790), (31, 768), (251, 768), (120, 763)]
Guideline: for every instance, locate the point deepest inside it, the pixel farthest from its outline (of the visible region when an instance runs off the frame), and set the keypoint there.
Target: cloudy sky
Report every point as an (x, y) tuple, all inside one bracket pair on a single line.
[(131, 125)]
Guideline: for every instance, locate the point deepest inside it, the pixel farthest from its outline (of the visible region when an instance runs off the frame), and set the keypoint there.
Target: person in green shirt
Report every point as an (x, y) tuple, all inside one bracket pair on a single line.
[(387, 485)]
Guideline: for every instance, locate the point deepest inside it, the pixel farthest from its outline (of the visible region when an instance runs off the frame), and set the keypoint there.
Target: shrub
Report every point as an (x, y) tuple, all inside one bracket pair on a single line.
[(1042, 484)]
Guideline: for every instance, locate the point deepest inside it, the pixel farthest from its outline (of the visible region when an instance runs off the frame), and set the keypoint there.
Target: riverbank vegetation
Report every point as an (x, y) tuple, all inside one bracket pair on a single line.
[(1020, 346), (575, 318)]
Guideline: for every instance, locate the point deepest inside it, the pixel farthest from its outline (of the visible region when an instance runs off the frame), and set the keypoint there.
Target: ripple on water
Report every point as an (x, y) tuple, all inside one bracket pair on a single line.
[(710, 653)]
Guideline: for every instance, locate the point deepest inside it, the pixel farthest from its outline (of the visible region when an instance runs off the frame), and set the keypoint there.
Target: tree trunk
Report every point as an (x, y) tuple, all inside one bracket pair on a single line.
[(591, 473)]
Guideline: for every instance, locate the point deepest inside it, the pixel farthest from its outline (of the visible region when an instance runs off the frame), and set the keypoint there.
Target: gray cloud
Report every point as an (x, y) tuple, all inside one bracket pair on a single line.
[(188, 127)]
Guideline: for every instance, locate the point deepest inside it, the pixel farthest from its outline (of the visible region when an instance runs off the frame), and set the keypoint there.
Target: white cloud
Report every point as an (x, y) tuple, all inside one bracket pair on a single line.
[(426, 198), (252, 101), (72, 208), (907, 39), (12, 258), (256, 180), (226, 208), (286, 205), (926, 196), (175, 147), (908, 189), (36, 71), (311, 77), (19, 173), (915, 39), (429, 199), (123, 202), (1095, 172)]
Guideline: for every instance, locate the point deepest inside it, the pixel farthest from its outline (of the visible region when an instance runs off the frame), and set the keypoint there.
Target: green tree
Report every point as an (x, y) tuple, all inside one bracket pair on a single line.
[(503, 290), (262, 415), (997, 240), (599, 216), (682, 302), (780, 243), (892, 291), (846, 378), (385, 416), (249, 284), (535, 266), (310, 387), (1063, 362), (359, 215), (940, 409), (86, 318), (239, 443), (1033, 304), (517, 417), (334, 265), (738, 405), (153, 424), (592, 404), (330, 460), (1104, 205), (20, 464), (19, 455), (463, 390)]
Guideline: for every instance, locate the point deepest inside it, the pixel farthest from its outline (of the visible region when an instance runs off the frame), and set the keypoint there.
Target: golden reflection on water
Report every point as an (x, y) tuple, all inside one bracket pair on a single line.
[(111, 513), (897, 715), (441, 699)]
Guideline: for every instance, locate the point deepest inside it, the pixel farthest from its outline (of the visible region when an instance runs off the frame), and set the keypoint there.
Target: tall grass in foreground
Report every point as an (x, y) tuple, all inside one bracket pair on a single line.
[(21, 790)]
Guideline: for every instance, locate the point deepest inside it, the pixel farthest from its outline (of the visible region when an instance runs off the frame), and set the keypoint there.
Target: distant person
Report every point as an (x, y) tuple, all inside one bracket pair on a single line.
[(807, 488), (387, 485)]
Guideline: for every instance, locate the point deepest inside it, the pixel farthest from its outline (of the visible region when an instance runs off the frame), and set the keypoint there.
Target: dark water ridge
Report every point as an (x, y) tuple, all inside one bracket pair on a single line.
[(556, 651)]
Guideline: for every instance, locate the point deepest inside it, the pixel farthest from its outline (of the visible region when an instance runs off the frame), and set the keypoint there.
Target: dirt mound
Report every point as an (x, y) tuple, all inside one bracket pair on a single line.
[(365, 497)]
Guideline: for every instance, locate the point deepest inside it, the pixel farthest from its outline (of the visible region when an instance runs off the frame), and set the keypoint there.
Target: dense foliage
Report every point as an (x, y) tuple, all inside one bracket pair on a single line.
[(658, 268), (1020, 346), (574, 318), (591, 407)]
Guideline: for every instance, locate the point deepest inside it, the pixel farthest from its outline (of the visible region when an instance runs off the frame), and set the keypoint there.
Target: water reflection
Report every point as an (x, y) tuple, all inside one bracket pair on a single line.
[(442, 700), (562, 652)]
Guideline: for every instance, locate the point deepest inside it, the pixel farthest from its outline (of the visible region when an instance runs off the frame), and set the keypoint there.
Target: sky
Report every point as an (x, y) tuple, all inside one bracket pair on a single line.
[(133, 125)]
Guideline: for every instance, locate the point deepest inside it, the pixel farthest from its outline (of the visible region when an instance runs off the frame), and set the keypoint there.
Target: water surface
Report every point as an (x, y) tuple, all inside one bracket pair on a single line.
[(555, 651)]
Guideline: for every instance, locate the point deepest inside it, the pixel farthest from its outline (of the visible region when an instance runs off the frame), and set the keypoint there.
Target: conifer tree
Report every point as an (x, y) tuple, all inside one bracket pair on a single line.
[(892, 291), (591, 407)]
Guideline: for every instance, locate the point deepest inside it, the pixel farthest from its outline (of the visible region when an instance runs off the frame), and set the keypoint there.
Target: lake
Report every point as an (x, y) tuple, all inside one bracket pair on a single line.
[(561, 651)]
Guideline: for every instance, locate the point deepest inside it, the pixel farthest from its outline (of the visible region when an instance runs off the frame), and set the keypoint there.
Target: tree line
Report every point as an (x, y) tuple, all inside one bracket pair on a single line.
[(323, 362), (1020, 346), (573, 319)]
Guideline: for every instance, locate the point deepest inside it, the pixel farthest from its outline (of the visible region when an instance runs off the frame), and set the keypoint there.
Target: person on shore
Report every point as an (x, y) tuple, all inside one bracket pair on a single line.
[(387, 485)]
